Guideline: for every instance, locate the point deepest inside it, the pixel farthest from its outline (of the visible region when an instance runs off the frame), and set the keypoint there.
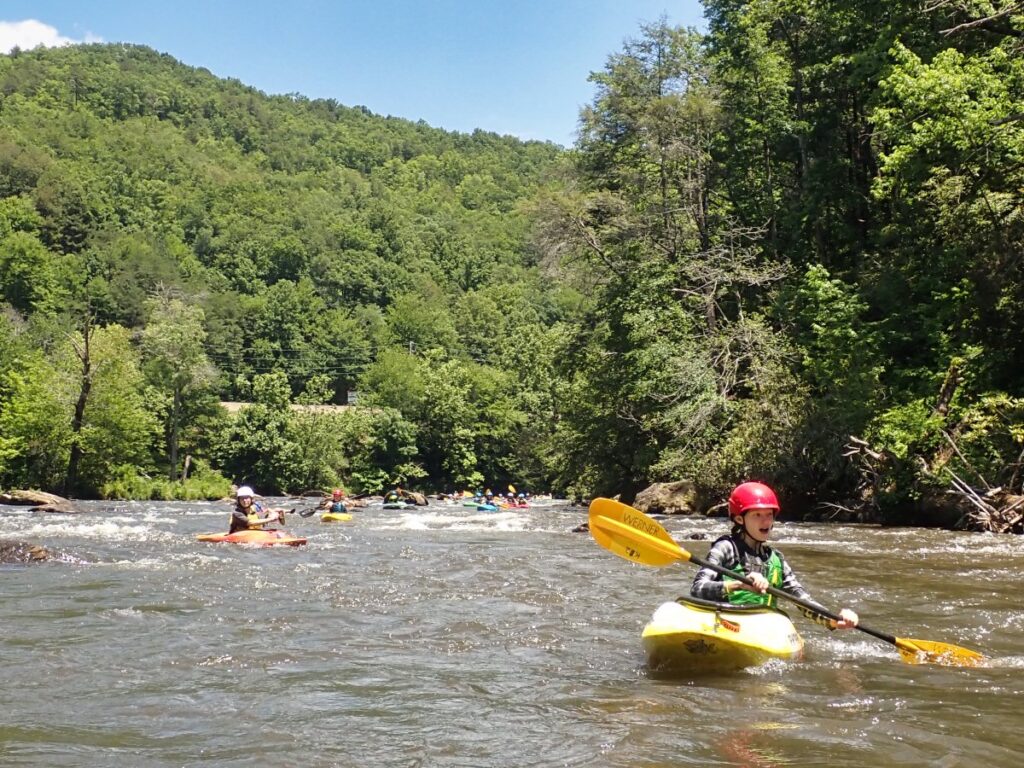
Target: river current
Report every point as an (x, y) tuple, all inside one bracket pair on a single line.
[(443, 636)]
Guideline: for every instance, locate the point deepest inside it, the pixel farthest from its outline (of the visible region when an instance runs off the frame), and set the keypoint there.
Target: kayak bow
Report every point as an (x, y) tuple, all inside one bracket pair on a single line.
[(335, 517), (254, 537), (691, 635)]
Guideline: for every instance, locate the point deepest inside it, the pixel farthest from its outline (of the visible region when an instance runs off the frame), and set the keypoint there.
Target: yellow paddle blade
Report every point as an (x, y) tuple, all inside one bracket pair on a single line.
[(932, 652), (632, 535), (511, 488)]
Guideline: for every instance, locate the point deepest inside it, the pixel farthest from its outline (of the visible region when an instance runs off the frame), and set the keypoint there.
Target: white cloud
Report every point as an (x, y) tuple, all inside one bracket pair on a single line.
[(30, 33)]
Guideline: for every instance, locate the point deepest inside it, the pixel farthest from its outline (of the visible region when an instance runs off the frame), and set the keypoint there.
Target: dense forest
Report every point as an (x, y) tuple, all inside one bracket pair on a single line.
[(788, 247)]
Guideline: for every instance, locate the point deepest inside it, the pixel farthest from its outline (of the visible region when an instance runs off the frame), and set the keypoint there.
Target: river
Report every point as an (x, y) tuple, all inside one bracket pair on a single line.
[(446, 637)]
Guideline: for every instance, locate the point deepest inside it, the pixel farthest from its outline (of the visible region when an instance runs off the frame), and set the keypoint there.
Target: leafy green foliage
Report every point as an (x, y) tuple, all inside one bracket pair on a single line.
[(675, 369), (28, 279), (203, 484), (176, 363), (35, 424), (801, 227), (256, 447), (381, 449), (265, 236), (118, 429)]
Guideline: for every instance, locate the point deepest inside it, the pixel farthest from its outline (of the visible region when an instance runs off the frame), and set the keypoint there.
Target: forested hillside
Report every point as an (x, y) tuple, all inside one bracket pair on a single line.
[(788, 248), (169, 238)]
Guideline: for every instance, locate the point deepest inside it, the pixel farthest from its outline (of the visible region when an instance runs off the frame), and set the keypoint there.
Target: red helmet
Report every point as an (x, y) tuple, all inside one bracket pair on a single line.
[(750, 496), (338, 493)]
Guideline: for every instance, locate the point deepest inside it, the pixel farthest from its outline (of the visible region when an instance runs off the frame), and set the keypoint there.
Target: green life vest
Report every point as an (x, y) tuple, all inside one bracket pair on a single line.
[(773, 573)]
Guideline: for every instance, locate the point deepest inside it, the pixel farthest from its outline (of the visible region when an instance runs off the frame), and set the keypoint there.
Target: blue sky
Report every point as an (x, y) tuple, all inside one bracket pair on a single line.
[(516, 67)]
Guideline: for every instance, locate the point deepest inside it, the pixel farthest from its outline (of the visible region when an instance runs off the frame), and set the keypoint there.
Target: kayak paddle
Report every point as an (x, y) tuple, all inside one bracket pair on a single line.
[(632, 535)]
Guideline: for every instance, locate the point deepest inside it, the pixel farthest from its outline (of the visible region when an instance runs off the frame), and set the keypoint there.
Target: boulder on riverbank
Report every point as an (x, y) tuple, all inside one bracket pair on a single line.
[(678, 498), (38, 500)]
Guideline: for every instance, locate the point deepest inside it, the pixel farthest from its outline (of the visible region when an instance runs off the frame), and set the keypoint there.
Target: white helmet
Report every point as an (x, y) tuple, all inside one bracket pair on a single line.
[(244, 490)]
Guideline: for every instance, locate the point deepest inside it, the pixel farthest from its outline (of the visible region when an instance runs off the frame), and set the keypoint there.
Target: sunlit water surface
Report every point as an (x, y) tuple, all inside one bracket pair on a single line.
[(447, 637)]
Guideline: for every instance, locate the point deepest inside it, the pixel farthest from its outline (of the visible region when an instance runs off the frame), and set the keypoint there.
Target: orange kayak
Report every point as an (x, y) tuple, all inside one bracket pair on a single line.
[(254, 537)]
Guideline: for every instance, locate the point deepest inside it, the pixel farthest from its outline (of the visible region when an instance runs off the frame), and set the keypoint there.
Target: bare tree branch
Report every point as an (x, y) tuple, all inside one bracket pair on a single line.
[(977, 22), (1008, 119)]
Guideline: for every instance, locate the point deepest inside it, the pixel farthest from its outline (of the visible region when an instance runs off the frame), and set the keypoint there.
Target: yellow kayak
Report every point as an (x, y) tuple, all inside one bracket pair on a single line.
[(335, 517), (691, 635)]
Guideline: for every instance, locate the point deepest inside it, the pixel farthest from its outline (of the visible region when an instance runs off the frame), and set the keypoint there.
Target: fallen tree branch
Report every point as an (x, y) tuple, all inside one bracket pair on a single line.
[(952, 444), (969, 493)]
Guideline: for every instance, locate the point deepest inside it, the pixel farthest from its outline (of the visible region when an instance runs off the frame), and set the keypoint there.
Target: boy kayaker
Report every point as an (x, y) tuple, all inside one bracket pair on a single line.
[(246, 514), (753, 508), (338, 501)]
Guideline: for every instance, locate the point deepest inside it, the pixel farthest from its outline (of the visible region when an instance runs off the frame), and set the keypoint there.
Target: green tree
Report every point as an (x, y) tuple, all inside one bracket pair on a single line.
[(18, 214), (321, 463), (675, 366), (315, 238), (393, 381), (380, 449), (35, 423), (28, 277), (119, 428), (176, 363), (44, 428), (257, 446), (468, 423), (421, 323)]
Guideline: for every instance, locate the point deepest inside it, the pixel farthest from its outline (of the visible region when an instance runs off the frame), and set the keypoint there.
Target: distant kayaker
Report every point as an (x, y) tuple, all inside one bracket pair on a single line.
[(396, 495), (338, 501), (753, 508), (248, 513)]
